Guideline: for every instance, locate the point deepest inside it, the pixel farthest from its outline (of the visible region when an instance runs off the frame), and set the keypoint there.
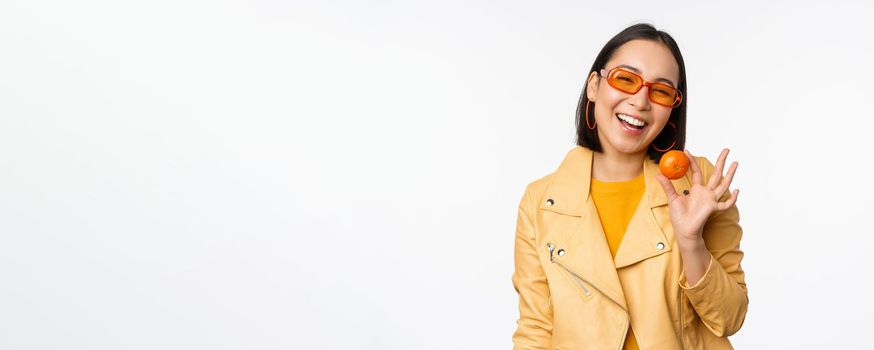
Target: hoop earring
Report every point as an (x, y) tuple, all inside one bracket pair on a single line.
[(591, 127), (672, 145)]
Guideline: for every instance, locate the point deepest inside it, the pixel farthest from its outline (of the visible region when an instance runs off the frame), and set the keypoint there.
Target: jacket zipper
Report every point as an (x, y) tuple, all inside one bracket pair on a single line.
[(576, 278), (579, 280)]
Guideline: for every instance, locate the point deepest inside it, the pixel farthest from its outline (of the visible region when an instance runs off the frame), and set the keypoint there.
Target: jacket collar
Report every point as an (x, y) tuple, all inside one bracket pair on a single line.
[(569, 189)]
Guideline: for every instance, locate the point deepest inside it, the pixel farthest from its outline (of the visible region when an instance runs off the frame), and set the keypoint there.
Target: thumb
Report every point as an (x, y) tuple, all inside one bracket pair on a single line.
[(666, 186)]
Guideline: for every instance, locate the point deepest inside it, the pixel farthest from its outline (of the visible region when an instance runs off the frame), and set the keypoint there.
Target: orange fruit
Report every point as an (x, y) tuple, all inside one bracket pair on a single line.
[(674, 164)]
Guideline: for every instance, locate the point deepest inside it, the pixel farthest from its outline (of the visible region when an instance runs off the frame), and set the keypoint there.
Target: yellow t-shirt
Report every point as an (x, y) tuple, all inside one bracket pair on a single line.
[(616, 203)]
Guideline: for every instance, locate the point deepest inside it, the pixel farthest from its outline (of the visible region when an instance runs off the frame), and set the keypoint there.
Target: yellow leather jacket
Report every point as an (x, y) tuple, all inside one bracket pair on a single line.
[(574, 295)]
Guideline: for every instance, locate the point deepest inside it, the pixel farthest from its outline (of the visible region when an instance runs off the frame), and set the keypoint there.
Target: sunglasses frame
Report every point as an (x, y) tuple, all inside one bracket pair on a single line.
[(607, 73)]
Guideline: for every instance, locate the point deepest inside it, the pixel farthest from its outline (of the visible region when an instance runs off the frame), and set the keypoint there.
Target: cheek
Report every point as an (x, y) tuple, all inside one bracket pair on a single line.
[(661, 120), (662, 114), (606, 103), (611, 97)]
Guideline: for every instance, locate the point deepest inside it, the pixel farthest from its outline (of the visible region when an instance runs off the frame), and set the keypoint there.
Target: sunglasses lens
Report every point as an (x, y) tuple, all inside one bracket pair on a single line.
[(631, 83), (626, 81), (662, 94)]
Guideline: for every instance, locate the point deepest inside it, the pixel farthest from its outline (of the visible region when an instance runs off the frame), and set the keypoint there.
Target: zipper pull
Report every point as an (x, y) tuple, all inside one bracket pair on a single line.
[(551, 248)]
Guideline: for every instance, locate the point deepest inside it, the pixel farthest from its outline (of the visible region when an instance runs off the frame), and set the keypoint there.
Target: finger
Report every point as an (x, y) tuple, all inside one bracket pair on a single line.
[(696, 171), (727, 204), (726, 182), (667, 186), (716, 177)]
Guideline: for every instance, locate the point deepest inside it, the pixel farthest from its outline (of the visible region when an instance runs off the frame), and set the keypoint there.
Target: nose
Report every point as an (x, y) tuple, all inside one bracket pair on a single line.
[(640, 100)]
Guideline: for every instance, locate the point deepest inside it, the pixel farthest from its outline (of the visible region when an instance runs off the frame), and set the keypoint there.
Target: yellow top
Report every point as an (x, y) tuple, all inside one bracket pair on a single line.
[(616, 203)]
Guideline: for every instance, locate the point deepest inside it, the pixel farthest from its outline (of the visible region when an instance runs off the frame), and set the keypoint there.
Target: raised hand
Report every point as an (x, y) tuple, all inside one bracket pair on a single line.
[(690, 212)]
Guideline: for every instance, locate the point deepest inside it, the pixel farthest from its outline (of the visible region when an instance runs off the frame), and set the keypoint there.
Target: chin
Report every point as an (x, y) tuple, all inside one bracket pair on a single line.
[(630, 149)]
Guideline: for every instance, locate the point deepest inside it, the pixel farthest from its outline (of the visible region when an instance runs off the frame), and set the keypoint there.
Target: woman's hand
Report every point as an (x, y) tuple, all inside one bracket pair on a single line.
[(690, 212)]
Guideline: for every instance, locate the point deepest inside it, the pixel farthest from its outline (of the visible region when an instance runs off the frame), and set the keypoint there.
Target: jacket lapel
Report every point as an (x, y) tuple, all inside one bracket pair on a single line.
[(582, 238), (587, 249)]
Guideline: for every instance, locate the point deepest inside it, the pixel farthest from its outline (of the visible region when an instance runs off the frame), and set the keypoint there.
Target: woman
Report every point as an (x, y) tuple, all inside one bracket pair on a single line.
[(609, 253)]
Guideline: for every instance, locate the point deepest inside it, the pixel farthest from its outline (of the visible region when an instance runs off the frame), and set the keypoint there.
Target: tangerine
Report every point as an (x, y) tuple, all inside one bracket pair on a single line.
[(674, 164)]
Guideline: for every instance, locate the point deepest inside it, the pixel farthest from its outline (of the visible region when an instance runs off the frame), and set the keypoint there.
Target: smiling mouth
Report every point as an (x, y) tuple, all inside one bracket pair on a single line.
[(624, 119)]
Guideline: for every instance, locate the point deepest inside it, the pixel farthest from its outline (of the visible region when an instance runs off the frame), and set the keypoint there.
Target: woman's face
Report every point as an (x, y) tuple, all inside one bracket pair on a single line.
[(651, 60)]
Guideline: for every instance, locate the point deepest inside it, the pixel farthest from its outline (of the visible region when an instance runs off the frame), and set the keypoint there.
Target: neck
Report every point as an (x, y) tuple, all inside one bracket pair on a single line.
[(611, 165)]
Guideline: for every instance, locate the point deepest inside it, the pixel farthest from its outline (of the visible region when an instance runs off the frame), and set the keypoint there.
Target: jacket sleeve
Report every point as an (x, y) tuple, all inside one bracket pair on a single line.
[(534, 326), (720, 296)]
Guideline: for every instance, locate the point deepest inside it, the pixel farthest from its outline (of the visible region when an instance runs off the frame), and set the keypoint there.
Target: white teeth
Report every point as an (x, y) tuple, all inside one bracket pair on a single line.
[(630, 120)]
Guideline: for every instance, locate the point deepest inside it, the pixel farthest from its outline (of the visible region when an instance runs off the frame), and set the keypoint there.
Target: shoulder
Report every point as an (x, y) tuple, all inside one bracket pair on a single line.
[(539, 185), (536, 189)]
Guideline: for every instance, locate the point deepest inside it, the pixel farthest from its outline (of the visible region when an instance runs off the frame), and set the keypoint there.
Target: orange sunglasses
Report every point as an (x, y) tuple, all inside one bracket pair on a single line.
[(630, 82)]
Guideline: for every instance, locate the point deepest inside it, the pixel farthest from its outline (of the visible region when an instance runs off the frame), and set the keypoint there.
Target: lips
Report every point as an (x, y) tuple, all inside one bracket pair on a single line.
[(630, 129), (631, 120)]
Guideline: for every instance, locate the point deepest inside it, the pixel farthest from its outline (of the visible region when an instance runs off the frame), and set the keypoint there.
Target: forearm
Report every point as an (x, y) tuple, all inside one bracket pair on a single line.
[(696, 259), (718, 297)]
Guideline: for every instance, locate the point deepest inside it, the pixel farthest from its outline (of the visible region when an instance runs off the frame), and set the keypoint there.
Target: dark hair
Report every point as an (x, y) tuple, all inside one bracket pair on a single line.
[(589, 138)]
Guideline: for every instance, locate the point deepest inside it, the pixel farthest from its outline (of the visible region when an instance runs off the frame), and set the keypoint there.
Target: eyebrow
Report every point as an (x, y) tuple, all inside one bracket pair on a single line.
[(671, 83)]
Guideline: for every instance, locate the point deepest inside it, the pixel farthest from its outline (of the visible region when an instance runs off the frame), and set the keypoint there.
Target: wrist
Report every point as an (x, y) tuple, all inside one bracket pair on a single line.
[(691, 245)]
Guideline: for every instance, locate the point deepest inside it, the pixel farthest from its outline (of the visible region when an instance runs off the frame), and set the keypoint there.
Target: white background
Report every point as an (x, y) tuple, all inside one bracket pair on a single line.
[(327, 175)]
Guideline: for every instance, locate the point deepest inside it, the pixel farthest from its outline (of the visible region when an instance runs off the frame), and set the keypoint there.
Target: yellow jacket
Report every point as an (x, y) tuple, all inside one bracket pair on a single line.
[(574, 295)]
